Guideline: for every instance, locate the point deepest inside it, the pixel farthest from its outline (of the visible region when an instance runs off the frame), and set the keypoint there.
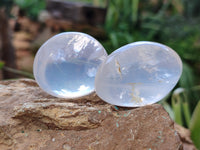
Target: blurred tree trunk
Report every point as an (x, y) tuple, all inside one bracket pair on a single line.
[(7, 52)]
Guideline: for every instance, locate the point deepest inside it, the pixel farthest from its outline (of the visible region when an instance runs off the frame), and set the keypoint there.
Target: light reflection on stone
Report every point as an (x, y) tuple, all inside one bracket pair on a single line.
[(138, 74), (65, 65)]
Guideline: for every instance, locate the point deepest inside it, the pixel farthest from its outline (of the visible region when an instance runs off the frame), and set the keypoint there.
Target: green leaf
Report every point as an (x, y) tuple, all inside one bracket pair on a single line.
[(187, 77), (185, 107), (114, 39), (1, 64), (186, 112), (176, 106), (135, 7), (168, 109), (195, 126)]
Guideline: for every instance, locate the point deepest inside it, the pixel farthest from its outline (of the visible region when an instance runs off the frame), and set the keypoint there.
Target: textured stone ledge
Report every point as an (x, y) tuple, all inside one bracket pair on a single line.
[(31, 120)]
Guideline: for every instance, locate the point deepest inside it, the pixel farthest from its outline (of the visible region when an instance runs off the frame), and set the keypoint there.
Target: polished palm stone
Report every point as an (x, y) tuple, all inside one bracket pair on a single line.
[(65, 66), (138, 74)]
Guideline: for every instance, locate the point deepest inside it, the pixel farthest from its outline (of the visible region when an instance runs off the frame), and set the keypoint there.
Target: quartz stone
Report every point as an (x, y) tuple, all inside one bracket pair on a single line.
[(138, 74), (65, 66)]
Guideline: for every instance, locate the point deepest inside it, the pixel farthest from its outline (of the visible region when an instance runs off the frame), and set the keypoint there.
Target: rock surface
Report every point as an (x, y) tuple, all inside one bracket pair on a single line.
[(33, 120)]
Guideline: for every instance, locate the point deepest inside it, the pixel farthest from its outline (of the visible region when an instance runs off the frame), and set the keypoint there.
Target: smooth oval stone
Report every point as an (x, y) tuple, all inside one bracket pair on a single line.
[(138, 74), (65, 66)]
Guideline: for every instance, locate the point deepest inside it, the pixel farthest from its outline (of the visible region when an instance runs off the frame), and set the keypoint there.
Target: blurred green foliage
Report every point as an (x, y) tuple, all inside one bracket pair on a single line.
[(32, 8), (183, 35), (161, 21), (1, 64), (98, 3), (195, 126)]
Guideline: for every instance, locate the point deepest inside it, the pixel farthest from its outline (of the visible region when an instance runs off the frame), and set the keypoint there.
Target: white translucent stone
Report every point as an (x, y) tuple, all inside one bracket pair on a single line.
[(65, 66), (138, 74)]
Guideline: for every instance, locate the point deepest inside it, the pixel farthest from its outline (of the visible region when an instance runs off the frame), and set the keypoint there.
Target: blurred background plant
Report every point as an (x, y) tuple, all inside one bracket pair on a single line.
[(32, 8), (173, 23)]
